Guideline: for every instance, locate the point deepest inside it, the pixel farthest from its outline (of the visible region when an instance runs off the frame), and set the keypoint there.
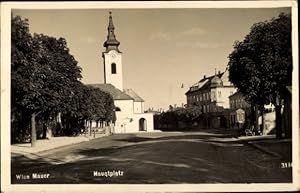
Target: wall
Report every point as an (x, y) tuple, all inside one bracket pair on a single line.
[(114, 79), (138, 107), (126, 107), (223, 100), (131, 125)]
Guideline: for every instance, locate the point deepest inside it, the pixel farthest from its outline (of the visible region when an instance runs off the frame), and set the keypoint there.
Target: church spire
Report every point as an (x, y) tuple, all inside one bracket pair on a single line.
[(111, 43)]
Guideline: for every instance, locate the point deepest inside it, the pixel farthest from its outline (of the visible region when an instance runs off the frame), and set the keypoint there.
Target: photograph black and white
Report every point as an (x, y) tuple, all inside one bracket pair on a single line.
[(162, 95)]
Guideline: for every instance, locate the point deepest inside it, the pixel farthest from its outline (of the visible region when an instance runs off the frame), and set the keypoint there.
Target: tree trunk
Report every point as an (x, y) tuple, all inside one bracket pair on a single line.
[(252, 115), (278, 121), (262, 110), (33, 130), (256, 118), (85, 127), (90, 128), (94, 132), (44, 130)]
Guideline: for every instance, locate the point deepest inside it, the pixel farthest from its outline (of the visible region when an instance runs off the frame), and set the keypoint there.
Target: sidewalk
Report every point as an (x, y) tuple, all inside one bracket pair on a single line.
[(48, 144), (231, 138), (280, 148)]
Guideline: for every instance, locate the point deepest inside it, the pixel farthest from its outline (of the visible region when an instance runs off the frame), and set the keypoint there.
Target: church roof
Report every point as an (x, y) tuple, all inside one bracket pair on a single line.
[(113, 91), (133, 95)]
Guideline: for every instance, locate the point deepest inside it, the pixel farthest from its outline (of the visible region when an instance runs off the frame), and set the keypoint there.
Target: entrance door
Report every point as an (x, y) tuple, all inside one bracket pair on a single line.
[(142, 124)]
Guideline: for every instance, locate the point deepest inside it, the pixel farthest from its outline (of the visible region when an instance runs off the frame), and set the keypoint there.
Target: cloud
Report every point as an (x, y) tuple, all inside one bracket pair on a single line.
[(192, 32), (207, 45), (198, 44), (87, 39), (160, 35)]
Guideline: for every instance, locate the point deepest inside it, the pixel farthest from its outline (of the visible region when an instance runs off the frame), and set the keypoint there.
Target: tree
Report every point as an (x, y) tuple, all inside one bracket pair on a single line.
[(43, 73), (46, 82), (261, 65), (88, 104)]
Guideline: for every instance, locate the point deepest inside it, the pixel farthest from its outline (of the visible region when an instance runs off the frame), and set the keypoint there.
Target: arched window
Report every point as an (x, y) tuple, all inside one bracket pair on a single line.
[(113, 68), (117, 109)]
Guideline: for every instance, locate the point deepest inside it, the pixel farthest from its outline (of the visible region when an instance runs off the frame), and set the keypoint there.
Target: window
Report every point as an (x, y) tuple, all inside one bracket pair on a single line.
[(219, 93), (113, 68), (213, 95)]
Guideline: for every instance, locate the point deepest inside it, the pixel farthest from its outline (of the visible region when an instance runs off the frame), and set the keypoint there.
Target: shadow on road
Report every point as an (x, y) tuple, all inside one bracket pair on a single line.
[(183, 158)]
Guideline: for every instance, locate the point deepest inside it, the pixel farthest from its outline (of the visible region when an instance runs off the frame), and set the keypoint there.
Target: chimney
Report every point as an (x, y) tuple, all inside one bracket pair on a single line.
[(204, 77), (219, 72)]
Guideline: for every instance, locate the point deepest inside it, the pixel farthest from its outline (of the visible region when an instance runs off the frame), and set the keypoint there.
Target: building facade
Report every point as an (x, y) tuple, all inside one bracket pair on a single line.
[(129, 106), (211, 95), (240, 110)]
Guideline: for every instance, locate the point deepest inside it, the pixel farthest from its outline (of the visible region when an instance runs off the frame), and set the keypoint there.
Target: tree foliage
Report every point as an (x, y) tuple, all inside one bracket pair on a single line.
[(260, 66), (174, 117), (45, 80)]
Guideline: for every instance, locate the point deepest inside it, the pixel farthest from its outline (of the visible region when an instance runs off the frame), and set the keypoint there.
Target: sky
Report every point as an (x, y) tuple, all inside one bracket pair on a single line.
[(164, 50)]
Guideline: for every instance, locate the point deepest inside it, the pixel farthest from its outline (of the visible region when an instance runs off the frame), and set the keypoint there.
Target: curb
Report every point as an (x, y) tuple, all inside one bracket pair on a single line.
[(21, 154), (258, 147)]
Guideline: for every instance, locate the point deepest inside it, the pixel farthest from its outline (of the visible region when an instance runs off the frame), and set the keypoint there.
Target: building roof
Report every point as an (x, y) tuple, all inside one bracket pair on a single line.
[(204, 83), (216, 81), (113, 91), (133, 95), (236, 94)]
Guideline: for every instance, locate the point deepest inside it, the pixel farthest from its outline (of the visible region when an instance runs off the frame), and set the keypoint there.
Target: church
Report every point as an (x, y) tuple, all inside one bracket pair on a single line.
[(129, 106)]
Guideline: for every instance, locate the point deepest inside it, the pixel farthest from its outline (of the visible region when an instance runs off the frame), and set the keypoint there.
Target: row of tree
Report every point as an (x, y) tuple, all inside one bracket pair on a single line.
[(260, 66), (45, 83), (175, 118)]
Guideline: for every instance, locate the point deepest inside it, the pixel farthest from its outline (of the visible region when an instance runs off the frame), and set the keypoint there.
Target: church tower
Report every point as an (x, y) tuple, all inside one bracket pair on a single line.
[(112, 58)]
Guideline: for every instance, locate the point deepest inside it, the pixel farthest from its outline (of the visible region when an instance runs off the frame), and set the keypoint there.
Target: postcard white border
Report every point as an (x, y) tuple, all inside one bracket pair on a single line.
[(5, 98)]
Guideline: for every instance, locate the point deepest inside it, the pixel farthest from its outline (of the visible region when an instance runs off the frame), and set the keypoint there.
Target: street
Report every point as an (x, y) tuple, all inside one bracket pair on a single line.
[(154, 158)]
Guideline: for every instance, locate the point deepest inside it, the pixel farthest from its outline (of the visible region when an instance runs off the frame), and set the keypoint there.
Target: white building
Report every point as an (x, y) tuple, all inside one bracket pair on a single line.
[(130, 116)]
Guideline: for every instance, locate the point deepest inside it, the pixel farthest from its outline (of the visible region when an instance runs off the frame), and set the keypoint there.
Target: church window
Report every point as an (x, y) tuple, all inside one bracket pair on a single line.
[(113, 68)]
